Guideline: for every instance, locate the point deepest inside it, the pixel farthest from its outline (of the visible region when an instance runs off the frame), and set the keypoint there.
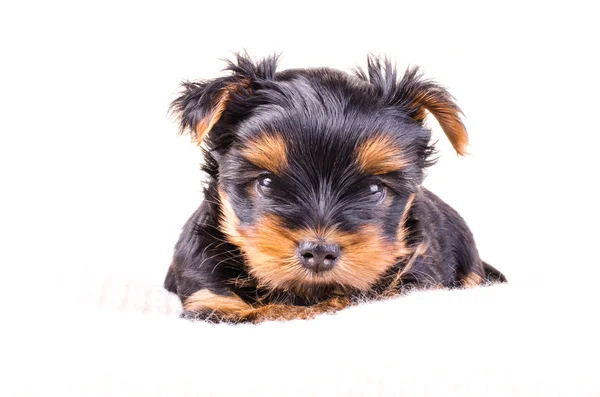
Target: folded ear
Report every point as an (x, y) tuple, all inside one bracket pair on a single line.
[(421, 96), (417, 96), (202, 104)]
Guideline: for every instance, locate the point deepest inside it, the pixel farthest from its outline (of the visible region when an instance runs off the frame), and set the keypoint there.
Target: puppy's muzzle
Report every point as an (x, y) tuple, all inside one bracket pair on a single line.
[(318, 257)]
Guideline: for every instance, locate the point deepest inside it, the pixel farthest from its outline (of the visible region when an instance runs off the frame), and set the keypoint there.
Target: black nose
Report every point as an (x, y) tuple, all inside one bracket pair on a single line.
[(318, 257)]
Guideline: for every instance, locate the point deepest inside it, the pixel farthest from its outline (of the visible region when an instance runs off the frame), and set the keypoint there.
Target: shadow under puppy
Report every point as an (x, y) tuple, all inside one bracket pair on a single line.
[(314, 199)]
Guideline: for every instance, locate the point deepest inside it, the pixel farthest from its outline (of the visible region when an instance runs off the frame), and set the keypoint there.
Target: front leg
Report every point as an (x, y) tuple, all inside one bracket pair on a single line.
[(208, 306)]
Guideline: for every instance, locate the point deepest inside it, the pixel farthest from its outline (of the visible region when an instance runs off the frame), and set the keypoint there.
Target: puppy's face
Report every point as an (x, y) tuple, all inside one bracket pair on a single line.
[(315, 174), (313, 207)]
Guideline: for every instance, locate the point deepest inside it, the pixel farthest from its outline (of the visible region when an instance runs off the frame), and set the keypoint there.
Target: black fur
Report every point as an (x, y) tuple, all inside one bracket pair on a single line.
[(323, 115)]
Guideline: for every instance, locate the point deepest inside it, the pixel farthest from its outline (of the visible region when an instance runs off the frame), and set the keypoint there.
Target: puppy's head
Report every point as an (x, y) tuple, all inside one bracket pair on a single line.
[(315, 170)]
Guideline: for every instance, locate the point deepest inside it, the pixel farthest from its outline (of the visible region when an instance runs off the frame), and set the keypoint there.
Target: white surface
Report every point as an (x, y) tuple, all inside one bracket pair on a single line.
[(518, 339), (96, 185)]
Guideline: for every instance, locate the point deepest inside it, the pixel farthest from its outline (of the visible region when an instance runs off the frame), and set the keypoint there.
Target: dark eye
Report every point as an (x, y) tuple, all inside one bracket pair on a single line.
[(263, 184), (376, 192)]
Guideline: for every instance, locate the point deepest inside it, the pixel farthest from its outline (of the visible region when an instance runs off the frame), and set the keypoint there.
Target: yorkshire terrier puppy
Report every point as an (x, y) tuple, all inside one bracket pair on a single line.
[(314, 198)]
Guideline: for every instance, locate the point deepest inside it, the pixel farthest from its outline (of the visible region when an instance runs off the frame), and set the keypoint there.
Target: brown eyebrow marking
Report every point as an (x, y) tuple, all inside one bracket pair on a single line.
[(380, 155), (267, 152)]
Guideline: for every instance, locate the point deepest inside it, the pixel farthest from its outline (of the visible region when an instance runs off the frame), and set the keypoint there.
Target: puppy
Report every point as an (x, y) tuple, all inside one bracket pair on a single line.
[(314, 198)]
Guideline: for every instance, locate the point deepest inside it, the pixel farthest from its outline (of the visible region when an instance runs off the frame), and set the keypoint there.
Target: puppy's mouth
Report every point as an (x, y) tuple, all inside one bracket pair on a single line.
[(307, 262)]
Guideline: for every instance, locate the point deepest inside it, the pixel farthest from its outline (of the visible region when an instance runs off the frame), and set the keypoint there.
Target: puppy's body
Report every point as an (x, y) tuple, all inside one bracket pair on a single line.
[(314, 198)]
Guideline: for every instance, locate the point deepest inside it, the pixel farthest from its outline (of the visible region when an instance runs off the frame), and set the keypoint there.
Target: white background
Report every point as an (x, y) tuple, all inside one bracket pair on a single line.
[(95, 178)]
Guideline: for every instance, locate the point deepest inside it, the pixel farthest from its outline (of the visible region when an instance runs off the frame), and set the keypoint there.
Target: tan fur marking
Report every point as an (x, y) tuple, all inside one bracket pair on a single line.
[(203, 299), (420, 250), (416, 252), (472, 279), (380, 155), (270, 252), (401, 231), (267, 152), (229, 223)]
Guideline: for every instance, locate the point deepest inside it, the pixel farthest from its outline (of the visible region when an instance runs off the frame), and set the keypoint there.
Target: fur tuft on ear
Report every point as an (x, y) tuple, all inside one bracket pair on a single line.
[(419, 95), (416, 96), (202, 104)]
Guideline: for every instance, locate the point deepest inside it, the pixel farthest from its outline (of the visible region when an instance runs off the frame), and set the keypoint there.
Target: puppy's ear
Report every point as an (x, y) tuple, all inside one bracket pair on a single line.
[(417, 96), (202, 104), (420, 96)]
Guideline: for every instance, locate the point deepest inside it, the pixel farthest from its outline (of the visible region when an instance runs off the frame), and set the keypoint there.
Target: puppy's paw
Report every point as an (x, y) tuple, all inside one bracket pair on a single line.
[(281, 313), (278, 312), (211, 316), (207, 306)]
